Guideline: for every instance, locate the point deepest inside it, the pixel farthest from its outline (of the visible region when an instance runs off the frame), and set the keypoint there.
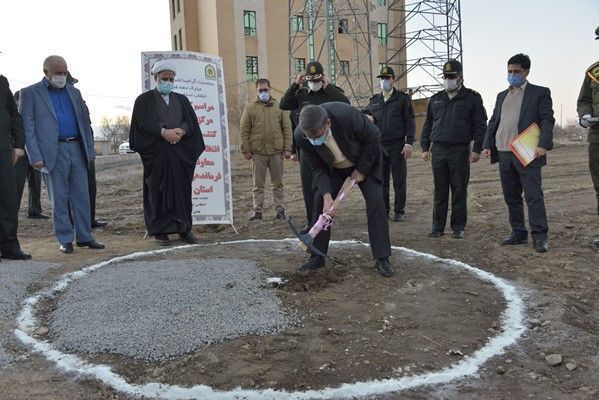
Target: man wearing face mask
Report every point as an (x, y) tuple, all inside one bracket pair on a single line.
[(339, 141), (310, 87), (391, 111), (516, 108), (454, 119), (265, 133), (60, 143), (166, 134)]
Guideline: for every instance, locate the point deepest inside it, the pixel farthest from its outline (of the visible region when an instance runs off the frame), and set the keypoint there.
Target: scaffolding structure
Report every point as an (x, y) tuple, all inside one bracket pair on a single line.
[(342, 35), (337, 34), (430, 33)]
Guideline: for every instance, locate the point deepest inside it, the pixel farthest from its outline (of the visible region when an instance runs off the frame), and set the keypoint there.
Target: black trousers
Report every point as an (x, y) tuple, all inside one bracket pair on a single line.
[(594, 168), (308, 189), (9, 222), (91, 180), (24, 171), (378, 225), (451, 170), (515, 179), (394, 165)]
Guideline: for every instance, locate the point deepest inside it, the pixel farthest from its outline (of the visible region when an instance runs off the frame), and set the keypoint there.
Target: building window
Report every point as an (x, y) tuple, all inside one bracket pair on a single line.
[(344, 70), (180, 40), (299, 65), (175, 42), (251, 68), (381, 34), (178, 6), (343, 26), (297, 23), (249, 23), (381, 2), (173, 8)]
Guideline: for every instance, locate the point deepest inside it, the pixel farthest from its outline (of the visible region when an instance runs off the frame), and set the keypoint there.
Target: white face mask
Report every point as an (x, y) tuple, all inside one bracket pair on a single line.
[(450, 84), (314, 86), (59, 81)]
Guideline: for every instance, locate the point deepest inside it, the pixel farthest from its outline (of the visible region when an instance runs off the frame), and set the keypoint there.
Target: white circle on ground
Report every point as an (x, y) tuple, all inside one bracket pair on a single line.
[(511, 326)]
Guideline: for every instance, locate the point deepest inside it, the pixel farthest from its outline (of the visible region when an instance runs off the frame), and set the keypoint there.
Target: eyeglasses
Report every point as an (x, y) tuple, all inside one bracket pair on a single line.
[(263, 90), (452, 76), (167, 79)]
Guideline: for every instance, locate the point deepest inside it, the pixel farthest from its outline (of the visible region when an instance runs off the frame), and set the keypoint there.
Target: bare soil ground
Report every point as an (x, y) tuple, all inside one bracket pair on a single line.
[(429, 311)]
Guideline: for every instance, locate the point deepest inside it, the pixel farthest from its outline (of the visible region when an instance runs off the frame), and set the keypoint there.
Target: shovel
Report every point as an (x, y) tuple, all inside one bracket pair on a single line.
[(324, 222)]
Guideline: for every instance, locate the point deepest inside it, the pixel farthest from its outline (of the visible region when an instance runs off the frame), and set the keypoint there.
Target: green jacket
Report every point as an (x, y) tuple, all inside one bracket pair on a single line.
[(588, 100), (265, 128)]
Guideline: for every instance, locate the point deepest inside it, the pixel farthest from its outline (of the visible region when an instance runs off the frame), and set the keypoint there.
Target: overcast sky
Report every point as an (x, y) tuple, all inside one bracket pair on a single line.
[(102, 41)]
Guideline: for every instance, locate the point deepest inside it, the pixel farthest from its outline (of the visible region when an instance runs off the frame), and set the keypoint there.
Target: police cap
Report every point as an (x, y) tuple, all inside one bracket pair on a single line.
[(314, 71), (386, 72), (452, 67)]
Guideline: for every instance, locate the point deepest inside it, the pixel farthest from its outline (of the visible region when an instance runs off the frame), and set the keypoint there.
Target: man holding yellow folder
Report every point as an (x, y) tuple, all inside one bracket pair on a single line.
[(516, 109)]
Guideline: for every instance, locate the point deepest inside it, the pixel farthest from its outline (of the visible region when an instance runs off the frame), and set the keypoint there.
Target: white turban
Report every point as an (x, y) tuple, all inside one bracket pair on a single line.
[(163, 65)]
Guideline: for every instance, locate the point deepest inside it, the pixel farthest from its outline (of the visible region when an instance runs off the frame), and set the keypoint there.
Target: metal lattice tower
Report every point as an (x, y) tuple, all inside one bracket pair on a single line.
[(421, 36), (430, 33), (337, 34)]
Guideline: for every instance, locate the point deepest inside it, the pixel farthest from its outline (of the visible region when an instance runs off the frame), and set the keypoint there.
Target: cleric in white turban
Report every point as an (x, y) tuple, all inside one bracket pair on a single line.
[(165, 133), (163, 65)]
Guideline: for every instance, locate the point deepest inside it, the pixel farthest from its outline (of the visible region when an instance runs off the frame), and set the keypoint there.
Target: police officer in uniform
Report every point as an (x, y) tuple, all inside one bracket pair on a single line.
[(391, 111), (12, 147), (455, 117), (310, 87), (587, 108)]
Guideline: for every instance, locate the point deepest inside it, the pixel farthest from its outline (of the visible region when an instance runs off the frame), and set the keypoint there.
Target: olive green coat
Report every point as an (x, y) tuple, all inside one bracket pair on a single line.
[(588, 100), (265, 128)]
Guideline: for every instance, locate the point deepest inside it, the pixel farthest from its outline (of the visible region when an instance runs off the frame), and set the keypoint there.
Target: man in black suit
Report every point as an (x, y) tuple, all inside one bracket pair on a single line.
[(12, 145), (516, 108), (339, 141)]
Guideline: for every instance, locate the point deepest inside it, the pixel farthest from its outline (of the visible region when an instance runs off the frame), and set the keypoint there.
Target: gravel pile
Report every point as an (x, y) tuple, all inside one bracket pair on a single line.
[(155, 310), (15, 277)]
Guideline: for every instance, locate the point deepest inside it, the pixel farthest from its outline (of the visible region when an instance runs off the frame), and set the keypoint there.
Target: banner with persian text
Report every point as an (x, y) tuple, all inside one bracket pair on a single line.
[(200, 78)]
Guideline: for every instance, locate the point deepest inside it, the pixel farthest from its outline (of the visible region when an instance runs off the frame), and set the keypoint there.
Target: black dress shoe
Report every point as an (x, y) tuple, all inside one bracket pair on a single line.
[(399, 217), (37, 216), (540, 245), (98, 224), (514, 239), (255, 216), (66, 248), (188, 237), (435, 234), (384, 267), (458, 234), (16, 255), (162, 239), (312, 263), (92, 244)]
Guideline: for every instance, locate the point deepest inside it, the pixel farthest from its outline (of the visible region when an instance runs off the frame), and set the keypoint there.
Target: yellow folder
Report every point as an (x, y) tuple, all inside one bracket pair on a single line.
[(525, 144)]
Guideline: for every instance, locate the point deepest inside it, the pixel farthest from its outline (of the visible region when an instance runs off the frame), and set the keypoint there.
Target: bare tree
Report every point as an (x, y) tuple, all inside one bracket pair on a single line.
[(570, 131), (116, 130)]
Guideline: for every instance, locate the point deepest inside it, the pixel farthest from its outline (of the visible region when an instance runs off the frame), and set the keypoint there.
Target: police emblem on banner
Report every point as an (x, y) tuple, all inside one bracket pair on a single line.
[(210, 72)]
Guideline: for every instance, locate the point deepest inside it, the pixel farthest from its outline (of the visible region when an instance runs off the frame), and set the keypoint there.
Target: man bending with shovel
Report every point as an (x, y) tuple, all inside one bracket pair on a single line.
[(339, 142)]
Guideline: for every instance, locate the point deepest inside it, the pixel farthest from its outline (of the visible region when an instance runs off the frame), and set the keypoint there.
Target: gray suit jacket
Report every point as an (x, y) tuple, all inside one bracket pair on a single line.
[(536, 107), (41, 125)]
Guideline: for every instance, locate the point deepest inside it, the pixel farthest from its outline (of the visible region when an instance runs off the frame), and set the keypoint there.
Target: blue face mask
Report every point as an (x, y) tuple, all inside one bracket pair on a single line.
[(165, 87), (386, 84), (515, 80), (319, 141), (264, 96)]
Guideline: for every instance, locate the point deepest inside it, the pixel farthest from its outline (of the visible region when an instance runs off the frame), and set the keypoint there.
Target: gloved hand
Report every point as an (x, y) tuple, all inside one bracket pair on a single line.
[(584, 120)]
